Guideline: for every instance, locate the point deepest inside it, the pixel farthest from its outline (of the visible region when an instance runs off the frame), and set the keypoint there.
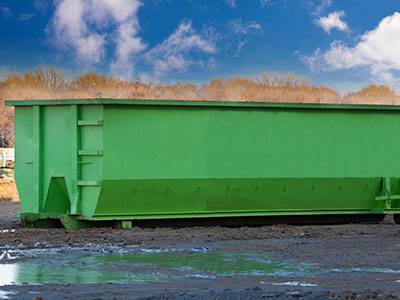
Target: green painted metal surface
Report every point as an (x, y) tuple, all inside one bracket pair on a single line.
[(120, 160)]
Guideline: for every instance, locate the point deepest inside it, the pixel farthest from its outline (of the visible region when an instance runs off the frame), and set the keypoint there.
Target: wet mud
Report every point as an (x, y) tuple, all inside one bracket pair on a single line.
[(353, 261)]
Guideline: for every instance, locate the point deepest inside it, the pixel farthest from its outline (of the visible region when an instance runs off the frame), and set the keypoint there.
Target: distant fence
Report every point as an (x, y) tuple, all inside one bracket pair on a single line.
[(9, 155)]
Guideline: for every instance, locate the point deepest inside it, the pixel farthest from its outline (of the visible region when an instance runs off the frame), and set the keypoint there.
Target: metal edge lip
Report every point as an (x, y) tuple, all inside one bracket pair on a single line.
[(200, 103)]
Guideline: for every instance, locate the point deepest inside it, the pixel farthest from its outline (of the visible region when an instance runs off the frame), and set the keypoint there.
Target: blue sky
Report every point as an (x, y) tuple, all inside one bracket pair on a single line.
[(341, 44)]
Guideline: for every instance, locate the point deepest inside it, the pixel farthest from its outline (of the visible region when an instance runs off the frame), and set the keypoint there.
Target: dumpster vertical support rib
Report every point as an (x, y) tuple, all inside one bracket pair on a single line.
[(386, 194), (75, 169), (37, 156)]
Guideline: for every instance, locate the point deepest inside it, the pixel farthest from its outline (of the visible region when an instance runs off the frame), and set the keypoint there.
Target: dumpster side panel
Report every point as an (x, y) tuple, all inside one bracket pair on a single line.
[(24, 158), (43, 158), (59, 163), (219, 197), (56, 159), (169, 160), (166, 142)]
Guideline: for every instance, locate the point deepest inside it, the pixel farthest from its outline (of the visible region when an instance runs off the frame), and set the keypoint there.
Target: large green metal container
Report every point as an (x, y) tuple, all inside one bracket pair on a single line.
[(111, 160)]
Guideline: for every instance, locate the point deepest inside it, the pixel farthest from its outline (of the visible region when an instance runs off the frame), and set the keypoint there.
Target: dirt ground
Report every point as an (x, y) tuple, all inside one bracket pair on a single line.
[(356, 248)]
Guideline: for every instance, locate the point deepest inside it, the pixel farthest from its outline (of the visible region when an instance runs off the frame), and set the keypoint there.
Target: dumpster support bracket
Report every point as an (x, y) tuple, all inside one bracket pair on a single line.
[(387, 194)]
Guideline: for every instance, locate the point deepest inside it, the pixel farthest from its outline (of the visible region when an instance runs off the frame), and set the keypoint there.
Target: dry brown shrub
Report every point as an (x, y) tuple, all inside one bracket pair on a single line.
[(373, 94), (92, 85), (8, 189), (268, 88)]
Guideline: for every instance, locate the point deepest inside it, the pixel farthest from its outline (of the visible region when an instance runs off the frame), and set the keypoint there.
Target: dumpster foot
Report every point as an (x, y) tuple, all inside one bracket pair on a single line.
[(73, 223), (32, 220), (122, 224)]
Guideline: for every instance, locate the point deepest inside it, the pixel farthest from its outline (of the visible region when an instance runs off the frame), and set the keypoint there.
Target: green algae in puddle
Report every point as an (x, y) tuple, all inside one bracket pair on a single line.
[(214, 262), (145, 267)]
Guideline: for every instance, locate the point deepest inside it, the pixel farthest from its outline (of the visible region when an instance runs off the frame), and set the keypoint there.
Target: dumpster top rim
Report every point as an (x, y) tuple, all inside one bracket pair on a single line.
[(113, 101)]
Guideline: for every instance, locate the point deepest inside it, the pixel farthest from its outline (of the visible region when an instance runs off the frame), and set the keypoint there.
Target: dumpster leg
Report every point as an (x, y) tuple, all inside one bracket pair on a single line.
[(27, 220), (73, 224), (126, 224), (32, 220), (122, 224)]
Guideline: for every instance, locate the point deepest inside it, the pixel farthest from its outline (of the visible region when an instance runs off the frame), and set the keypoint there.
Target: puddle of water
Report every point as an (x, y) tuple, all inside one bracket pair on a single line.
[(6, 231), (366, 270), (152, 265), (5, 295), (6, 255), (139, 267), (291, 283), (8, 273), (209, 262)]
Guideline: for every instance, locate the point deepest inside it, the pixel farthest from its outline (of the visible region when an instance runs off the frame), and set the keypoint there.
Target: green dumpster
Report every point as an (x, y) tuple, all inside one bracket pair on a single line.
[(102, 161)]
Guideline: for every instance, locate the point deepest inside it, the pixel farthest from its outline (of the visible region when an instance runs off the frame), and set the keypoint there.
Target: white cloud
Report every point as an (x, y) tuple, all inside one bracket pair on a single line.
[(239, 27), (378, 51), (85, 26), (240, 46), (332, 21), (212, 63), (70, 28), (321, 7), (41, 4), (264, 2), (127, 44), (6, 12), (231, 2), (25, 17), (89, 28), (172, 53)]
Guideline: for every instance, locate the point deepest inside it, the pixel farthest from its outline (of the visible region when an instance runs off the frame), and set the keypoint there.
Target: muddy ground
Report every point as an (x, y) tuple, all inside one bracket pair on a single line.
[(368, 256)]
